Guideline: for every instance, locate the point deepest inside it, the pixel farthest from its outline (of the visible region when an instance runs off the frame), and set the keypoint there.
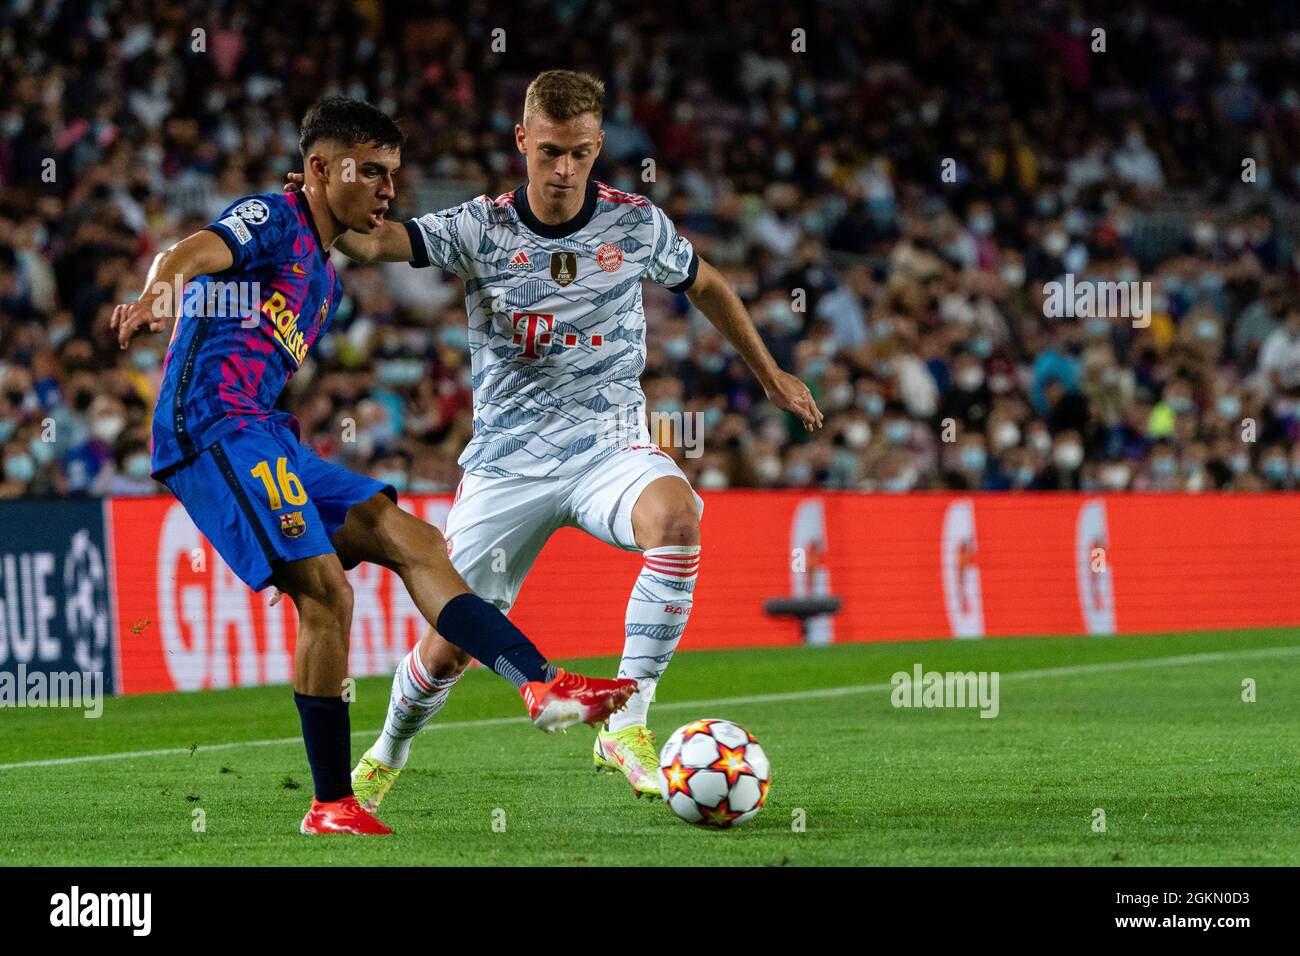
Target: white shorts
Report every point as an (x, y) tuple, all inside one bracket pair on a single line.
[(497, 526)]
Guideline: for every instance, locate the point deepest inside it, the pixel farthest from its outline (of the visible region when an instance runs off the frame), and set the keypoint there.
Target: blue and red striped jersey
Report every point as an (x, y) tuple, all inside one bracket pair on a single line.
[(243, 333)]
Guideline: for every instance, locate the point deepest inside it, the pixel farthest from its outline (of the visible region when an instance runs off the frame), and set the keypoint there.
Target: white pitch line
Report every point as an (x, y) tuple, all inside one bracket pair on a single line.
[(817, 694)]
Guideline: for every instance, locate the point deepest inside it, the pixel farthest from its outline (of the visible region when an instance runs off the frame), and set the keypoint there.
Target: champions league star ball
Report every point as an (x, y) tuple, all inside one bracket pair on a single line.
[(714, 774)]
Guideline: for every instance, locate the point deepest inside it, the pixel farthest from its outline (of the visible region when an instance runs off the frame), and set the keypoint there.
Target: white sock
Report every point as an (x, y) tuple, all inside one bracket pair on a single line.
[(415, 698), (656, 616)]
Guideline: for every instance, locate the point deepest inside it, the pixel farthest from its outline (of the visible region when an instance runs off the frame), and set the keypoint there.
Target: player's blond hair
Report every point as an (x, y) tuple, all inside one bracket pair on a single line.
[(561, 95)]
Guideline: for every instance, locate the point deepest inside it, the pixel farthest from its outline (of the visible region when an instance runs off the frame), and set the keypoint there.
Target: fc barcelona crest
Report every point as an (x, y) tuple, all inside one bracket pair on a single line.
[(292, 524), (564, 267)]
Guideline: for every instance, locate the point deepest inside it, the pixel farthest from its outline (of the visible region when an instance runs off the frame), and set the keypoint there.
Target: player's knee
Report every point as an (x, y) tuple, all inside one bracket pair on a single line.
[(328, 594), (674, 526), (442, 659)]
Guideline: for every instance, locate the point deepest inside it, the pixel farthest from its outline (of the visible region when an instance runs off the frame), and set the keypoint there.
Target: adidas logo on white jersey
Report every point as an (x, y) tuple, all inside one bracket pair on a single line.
[(520, 262)]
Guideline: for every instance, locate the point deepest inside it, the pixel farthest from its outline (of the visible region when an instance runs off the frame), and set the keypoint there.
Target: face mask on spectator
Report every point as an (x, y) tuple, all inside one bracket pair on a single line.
[(798, 473), (873, 404), (7, 428), (1207, 330), (399, 372), (1068, 455), (1040, 441), (678, 347), (20, 468), (1014, 275), (768, 470), (1006, 435), (137, 466), (857, 434), (1115, 477), (839, 396), (1180, 404), (1024, 476), (1204, 233), (1163, 467), (969, 378), (903, 481), (1239, 463), (1055, 243), (1274, 468), (981, 224), (980, 346), (107, 428), (897, 432), (973, 458), (41, 451), (711, 363), (711, 417), (144, 359), (712, 479)]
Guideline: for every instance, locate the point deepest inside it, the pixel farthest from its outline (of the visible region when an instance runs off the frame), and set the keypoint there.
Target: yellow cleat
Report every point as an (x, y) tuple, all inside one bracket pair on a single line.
[(371, 781), (630, 751)]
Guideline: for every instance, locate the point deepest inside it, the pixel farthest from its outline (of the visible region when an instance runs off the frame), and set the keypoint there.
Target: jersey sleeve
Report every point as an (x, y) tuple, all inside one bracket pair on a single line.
[(673, 263), (257, 230), (442, 239)]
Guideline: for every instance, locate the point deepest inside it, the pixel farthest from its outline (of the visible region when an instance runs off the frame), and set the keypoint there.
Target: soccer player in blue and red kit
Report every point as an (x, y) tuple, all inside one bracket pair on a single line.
[(253, 292)]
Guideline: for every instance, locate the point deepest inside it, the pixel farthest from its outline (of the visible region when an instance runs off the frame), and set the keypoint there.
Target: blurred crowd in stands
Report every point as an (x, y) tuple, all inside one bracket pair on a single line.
[(888, 187)]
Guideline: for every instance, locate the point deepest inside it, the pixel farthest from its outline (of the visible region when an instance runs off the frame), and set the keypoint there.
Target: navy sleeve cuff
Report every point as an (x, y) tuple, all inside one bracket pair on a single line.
[(236, 250), (419, 252), (691, 271)]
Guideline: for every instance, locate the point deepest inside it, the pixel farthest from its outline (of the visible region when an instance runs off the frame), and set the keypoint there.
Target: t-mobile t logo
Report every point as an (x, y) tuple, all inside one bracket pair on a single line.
[(535, 329), (531, 330)]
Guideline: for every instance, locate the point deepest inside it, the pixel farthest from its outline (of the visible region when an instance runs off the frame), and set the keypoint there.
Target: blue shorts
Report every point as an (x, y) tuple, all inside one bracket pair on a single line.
[(262, 498)]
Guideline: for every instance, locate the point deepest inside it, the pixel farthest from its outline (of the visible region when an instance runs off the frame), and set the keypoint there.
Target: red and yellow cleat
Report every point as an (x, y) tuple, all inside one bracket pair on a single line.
[(571, 698), (341, 816)]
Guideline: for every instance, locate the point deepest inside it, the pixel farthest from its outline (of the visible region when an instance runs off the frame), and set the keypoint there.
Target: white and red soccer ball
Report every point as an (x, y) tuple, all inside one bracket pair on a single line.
[(713, 773)]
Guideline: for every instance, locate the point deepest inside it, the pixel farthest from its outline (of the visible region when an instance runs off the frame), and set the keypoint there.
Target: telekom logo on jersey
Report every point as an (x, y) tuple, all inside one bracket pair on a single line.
[(536, 329)]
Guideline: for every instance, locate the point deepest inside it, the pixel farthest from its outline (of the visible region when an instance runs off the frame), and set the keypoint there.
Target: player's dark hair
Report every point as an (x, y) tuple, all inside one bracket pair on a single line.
[(348, 122)]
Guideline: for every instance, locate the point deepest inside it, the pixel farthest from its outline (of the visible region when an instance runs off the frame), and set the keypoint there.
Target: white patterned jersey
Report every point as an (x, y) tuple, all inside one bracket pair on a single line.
[(556, 324)]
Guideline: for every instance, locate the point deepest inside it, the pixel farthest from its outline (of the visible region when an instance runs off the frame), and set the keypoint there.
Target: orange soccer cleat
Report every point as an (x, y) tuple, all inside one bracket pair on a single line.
[(341, 816), (569, 698)]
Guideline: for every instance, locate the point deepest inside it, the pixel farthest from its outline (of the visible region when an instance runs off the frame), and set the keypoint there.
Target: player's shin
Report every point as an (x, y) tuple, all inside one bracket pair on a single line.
[(416, 697), (483, 632), (656, 617)]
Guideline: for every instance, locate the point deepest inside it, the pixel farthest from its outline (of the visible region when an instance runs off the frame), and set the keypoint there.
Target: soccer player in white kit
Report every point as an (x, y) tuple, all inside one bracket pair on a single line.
[(552, 275)]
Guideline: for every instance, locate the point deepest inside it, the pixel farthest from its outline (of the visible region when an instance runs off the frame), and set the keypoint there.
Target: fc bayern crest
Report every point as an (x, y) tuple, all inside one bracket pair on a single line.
[(609, 257), (564, 267), (254, 211)]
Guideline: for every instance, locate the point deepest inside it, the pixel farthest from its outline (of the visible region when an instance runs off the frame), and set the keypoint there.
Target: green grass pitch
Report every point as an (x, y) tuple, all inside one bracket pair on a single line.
[(1151, 730)]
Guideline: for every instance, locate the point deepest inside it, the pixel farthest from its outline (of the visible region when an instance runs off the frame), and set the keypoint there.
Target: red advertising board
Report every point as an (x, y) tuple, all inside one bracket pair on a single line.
[(905, 567)]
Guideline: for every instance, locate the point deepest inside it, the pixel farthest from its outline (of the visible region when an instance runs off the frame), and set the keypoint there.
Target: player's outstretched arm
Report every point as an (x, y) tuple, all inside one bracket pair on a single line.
[(711, 294), (203, 253)]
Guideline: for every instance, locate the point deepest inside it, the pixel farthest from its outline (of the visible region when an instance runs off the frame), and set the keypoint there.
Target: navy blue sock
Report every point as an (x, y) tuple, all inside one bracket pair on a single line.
[(479, 629), (328, 735)]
